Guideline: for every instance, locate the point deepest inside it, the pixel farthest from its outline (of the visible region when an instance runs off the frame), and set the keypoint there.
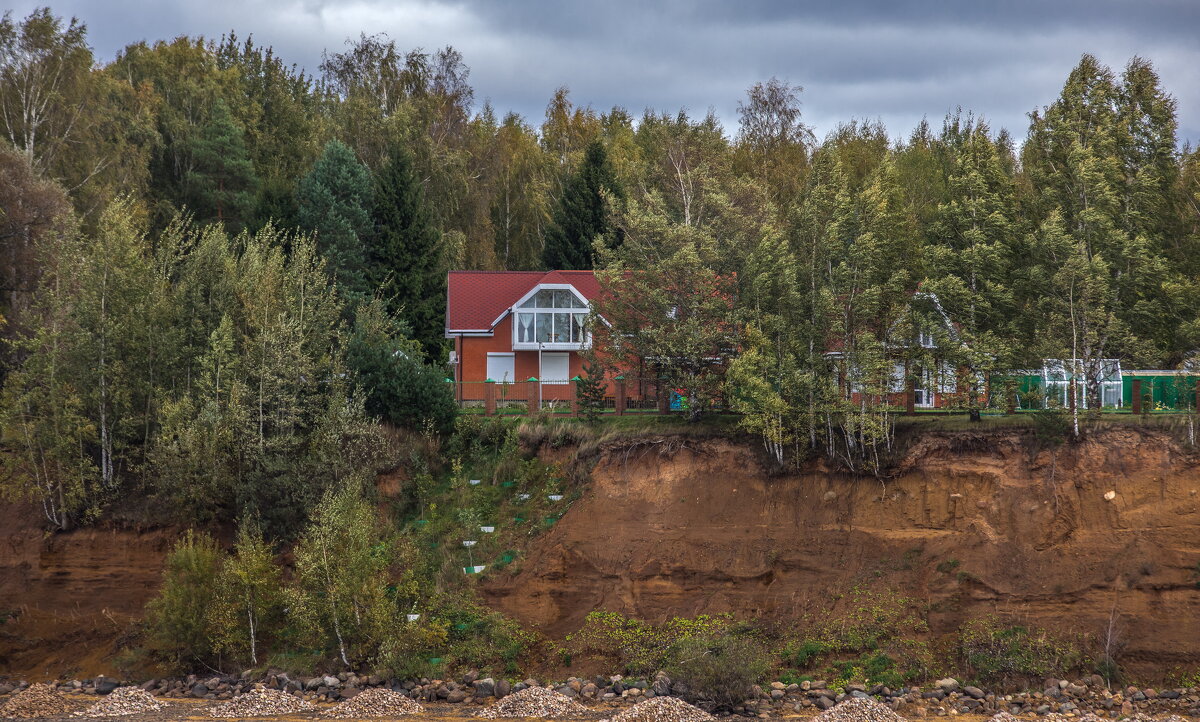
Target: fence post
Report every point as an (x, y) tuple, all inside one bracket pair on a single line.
[(1137, 396), (575, 395), (531, 396), (620, 395), (489, 397)]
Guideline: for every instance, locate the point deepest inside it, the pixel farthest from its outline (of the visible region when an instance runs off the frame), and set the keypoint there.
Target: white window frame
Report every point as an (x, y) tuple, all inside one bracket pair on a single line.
[(512, 357), (516, 312), (542, 372)]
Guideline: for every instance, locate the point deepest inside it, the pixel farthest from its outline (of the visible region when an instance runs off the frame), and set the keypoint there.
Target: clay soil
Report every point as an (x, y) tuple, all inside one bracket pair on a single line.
[(971, 524)]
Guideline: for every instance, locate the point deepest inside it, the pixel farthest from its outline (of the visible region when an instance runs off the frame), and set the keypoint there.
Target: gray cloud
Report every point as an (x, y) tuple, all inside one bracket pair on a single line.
[(897, 60)]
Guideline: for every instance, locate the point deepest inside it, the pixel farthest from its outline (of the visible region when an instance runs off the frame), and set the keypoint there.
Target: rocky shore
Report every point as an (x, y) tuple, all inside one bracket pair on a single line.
[(947, 697)]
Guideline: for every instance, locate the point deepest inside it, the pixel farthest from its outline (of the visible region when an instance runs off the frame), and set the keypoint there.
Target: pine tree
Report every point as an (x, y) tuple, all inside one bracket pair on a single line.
[(404, 257), (581, 216), (334, 201), (221, 186)]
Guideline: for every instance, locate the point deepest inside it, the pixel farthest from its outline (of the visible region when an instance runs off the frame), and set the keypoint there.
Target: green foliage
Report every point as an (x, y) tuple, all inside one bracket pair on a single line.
[(719, 668), (993, 652), (591, 390), (249, 597), (399, 386), (340, 602), (638, 647), (872, 636), (221, 185), (1051, 425), (581, 217), (406, 649), (334, 201), (178, 619), (404, 253)]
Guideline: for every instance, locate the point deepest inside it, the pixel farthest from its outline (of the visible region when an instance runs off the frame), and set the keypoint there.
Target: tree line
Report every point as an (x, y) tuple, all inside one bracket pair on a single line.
[(208, 249)]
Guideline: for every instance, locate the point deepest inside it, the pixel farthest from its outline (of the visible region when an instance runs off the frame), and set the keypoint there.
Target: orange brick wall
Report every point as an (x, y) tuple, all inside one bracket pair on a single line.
[(472, 365)]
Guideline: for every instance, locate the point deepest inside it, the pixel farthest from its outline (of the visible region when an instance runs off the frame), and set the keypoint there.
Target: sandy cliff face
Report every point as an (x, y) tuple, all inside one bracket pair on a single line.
[(668, 530), (703, 528), (73, 593)]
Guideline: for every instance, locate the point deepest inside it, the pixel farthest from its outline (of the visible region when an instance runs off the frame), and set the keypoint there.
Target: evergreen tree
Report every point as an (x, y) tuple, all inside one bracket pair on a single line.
[(404, 257), (581, 215), (221, 186), (333, 200)]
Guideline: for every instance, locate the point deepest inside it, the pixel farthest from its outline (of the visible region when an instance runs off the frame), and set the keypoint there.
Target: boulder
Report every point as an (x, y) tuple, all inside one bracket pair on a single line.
[(199, 689), (105, 685), (485, 687), (503, 688), (973, 692), (949, 684), (456, 696), (824, 702)]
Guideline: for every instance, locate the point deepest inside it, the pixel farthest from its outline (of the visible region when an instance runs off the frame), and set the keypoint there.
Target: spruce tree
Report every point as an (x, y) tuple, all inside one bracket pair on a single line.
[(404, 258), (581, 216), (221, 185), (334, 201)]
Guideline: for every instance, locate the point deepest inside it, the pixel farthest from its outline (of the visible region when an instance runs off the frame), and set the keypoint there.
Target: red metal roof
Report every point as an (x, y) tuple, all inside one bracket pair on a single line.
[(476, 299)]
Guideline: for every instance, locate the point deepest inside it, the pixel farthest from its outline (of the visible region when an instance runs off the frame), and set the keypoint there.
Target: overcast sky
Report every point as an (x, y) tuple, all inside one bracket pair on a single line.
[(895, 60)]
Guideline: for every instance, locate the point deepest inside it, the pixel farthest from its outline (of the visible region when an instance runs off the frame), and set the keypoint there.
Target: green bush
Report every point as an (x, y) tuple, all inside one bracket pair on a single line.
[(720, 668), (406, 649), (638, 647), (400, 387), (178, 619), (993, 652), (872, 637)]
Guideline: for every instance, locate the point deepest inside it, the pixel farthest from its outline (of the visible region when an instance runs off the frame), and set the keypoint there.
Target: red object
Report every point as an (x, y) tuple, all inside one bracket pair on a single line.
[(479, 319)]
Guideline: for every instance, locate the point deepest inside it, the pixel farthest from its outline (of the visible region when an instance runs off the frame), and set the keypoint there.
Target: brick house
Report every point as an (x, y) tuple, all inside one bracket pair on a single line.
[(510, 326)]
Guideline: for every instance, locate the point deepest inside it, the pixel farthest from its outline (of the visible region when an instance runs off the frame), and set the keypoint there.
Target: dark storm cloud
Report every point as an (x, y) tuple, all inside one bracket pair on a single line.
[(895, 60)]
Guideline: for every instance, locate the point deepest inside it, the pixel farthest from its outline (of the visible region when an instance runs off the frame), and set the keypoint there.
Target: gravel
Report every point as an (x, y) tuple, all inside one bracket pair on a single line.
[(662, 709), (534, 702), (376, 702), (123, 701), (260, 702), (38, 700), (859, 710)]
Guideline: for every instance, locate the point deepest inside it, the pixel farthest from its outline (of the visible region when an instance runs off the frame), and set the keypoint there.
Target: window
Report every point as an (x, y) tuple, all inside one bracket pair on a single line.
[(501, 368), (556, 368), (550, 317)]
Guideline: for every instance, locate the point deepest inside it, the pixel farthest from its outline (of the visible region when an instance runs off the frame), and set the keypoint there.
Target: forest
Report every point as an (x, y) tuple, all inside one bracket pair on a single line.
[(221, 271)]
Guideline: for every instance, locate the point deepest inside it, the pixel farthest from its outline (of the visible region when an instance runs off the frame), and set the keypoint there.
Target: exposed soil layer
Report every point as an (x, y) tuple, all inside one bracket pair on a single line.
[(70, 596), (972, 523)]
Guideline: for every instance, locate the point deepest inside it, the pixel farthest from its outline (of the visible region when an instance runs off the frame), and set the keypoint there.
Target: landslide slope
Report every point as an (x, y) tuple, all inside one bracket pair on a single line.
[(971, 523)]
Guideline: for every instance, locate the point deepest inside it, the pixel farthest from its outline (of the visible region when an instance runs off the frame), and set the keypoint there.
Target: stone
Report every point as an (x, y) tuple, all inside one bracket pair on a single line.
[(199, 690), (503, 688), (485, 687), (456, 696), (974, 692), (949, 684), (105, 685), (825, 702), (329, 681), (590, 689), (6, 688)]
